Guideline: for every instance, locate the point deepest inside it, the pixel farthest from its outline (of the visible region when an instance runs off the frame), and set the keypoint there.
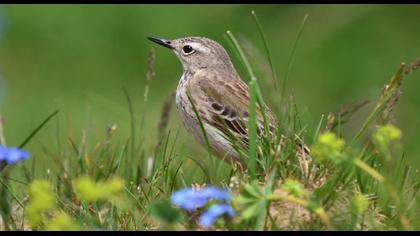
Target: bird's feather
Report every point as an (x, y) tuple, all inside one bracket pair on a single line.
[(225, 102)]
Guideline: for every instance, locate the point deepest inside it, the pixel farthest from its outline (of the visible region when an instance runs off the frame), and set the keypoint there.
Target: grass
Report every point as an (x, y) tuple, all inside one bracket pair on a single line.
[(363, 183)]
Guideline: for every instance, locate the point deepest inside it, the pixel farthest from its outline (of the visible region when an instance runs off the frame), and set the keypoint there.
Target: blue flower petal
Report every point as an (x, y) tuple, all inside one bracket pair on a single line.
[(188, 198), (12, 155), (208, 218), (215, 193)]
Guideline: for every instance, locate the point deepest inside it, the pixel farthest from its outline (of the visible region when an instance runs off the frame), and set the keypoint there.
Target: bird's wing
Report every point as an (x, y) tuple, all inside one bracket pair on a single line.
[(224, 105)]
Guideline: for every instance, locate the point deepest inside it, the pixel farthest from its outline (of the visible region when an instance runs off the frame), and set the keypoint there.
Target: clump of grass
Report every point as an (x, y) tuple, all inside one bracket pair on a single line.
[(356, 184)]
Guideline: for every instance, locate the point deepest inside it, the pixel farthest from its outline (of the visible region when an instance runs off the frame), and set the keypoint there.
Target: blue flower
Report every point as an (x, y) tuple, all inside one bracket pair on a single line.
[(190, 199), (215, 193), (12, 155), (210, 216)]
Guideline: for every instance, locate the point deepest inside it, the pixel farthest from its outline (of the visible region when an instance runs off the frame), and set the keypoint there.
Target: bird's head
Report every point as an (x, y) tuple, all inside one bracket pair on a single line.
[(197, 52)]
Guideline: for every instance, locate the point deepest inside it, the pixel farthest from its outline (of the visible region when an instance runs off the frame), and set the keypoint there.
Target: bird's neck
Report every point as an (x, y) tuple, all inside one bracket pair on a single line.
[(209, 69)]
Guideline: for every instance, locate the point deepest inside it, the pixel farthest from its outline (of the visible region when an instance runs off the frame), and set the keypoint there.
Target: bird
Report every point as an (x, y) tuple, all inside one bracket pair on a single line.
[(210, 87)]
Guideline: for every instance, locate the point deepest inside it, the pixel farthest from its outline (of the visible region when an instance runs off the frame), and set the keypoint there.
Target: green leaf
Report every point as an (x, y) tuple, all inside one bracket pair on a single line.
[(253, 210), (244, 200), (163, 211), (251, 190)]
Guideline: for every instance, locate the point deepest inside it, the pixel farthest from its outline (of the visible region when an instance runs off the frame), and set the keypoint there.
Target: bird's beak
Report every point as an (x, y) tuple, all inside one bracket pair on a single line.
[(163, 42)]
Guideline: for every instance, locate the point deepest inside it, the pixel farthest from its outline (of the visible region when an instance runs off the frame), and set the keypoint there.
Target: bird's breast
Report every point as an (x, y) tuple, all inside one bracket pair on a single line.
[(181, 96), (182, 103)]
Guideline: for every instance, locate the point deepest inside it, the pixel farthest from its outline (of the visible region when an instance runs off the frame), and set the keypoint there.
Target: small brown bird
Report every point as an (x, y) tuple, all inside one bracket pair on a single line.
[(220, 96)]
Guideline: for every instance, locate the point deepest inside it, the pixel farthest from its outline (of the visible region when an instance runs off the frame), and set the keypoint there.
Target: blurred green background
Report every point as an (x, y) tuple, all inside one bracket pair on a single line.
[(77, 58)]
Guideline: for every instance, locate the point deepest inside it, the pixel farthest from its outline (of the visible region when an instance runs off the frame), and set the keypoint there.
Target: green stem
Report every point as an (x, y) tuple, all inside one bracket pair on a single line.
[(372, 172), (390, 90)]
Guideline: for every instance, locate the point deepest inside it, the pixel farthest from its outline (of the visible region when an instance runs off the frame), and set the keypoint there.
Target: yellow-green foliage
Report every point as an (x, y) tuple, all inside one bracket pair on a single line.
[(90, 191), (41, 200), (360, 203), (328, 147), (293, 187), (42, 212), (62, 222), (386, 133)]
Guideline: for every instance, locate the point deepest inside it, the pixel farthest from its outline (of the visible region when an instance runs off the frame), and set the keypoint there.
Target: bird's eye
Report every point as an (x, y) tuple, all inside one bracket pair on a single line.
[(187, 49)]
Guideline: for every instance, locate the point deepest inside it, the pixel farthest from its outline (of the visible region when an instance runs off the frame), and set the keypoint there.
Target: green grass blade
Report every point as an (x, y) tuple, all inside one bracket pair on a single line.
[(267, 50), (206, 140), (273, 72), (133, 125), (393, 85), (254, 97), (318, 128), (290, 63), (37, 129), (205, 171), (241, 54), (201, 123), (172, 185), (252, 127), (2, 139), (12, 193)]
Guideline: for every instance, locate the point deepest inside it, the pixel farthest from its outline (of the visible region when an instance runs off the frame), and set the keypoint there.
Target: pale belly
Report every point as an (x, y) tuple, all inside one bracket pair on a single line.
[(218, 143)]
